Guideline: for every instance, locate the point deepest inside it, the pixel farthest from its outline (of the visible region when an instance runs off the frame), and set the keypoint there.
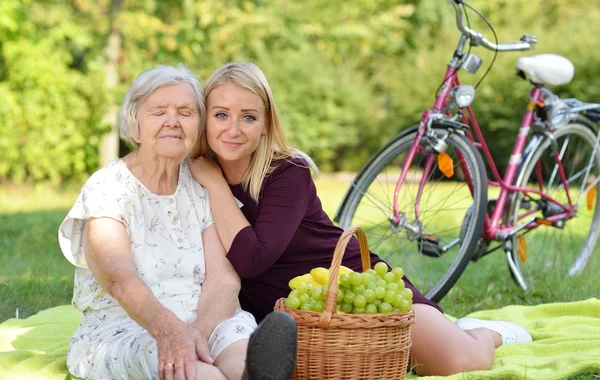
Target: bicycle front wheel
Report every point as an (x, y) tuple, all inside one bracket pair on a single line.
[(563, 249), (447, 212)]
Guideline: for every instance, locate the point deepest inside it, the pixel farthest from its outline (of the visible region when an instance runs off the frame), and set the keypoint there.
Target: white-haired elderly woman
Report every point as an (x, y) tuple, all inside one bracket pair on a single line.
[(157, 293)]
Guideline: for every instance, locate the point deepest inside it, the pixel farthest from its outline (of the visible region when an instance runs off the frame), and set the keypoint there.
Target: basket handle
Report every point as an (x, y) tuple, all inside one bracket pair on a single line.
[(338, 254)]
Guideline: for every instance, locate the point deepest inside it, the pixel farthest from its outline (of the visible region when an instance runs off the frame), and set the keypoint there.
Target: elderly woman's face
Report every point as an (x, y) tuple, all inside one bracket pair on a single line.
[(169, 121)]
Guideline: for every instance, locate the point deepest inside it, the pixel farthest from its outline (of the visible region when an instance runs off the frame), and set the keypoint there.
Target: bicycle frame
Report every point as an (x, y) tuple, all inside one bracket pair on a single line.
[(493, 229)]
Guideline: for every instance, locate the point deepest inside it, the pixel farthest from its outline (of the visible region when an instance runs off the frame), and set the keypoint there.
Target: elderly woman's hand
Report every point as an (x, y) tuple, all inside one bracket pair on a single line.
[(180, 346), (205, 171)]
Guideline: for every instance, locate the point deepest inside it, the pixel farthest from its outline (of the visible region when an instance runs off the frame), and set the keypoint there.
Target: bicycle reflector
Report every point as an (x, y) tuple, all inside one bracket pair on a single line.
[(463, 95), (522, 248), (445, 164), (590, 196)]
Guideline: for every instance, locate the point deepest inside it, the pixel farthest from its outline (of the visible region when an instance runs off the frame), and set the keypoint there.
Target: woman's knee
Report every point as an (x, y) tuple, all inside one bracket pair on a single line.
[(439, 347), (232, 360)]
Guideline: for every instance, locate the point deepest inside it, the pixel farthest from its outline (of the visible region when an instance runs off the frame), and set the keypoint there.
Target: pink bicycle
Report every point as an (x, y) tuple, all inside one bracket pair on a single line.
[(423, 197)]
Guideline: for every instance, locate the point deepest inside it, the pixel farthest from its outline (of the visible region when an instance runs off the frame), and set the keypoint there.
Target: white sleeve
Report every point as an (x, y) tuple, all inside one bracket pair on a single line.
[(97, 199)]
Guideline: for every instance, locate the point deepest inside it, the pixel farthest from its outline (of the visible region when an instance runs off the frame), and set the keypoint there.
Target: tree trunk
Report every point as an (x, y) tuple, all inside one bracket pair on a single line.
[(109, 149)]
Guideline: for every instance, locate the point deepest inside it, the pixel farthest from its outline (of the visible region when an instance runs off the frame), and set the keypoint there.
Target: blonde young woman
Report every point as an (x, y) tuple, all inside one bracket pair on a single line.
[(158, 296), (281, 230)]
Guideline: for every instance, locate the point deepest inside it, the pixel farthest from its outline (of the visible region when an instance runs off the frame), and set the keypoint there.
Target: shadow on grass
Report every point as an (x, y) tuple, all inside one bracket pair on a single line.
[(34, 275)]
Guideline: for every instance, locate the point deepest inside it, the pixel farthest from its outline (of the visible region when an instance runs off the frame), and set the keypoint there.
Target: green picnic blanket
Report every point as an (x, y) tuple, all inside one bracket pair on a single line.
[(566, 342)]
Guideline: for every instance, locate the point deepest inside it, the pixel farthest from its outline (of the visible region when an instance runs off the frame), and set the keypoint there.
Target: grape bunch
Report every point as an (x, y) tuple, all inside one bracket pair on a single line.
[(374, 291)]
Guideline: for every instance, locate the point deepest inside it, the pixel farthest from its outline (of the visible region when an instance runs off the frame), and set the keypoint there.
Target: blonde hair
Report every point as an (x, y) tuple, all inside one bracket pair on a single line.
[(273, 145), (144, 86)]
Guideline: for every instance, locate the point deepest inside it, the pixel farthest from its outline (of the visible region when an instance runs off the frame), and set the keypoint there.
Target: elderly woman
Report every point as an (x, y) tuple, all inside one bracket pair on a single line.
[(157, 293)]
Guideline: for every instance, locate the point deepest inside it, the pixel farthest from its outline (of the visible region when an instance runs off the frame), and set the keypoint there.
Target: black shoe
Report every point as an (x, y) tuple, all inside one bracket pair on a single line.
[(272, 348)]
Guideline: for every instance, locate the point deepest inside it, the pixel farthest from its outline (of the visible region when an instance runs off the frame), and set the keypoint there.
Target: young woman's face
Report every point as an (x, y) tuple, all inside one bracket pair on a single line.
[(236, 120), (169, 122)]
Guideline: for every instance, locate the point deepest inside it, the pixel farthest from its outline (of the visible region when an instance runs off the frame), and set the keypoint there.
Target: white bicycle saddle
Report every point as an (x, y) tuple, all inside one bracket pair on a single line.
[(546, 69)]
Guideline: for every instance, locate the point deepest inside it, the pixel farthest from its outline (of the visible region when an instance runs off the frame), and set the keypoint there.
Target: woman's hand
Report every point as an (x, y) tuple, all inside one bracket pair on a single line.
[(205, 171), (180, 346)]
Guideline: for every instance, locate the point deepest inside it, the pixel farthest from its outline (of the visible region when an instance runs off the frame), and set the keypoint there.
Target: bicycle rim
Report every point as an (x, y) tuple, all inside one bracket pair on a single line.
[(551, 251), (448, 211)]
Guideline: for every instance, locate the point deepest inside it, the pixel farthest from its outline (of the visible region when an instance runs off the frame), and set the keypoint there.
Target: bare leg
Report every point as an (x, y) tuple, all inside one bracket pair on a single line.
[(205, 371), (439, 347), (232, 360)]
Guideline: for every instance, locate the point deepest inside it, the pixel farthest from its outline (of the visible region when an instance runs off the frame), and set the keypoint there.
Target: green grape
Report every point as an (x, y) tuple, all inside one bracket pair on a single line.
[(381, 268), (304, 298), (346, 308), (372, 285), (400, 283), (408, 294), (317, 294), (367, 278), (294, 293), (395, 310), (302, 288), (349, 297), (379, 292), (389, 277), (405, 305), (319, 306), (340, 296), (355, 278), (358, 289), (377, 302), (399, 301), (393, 287), (371, 272), (381, 283), (398, 272), (324, 290), (360, 301), (385, 308), (369, 295), (309, 288), (390, 296), (306, 306), (358, 310), (292, 302), (345, 279), (371, 309)]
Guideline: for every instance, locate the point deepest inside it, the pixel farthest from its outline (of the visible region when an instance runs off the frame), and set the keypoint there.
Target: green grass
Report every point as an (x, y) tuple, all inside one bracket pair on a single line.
[(487, 283), (34, 275)]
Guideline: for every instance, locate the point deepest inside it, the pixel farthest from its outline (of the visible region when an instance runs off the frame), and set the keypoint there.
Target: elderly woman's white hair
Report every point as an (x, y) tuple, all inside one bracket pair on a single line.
[(144, 86)]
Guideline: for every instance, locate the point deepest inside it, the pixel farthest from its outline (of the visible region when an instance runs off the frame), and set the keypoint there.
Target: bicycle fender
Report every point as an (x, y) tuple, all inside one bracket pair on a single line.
[(538, 137), (409, 130)]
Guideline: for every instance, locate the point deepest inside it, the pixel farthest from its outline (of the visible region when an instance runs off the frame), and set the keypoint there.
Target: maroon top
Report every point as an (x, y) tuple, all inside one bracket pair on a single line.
[(289, 234)]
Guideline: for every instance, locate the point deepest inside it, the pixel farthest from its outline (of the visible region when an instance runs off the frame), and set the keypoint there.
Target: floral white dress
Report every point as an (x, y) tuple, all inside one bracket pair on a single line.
[(166, 240)]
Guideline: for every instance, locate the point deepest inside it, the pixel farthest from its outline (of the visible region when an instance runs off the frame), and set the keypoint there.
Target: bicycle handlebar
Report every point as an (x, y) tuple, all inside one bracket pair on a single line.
[(527, 42)]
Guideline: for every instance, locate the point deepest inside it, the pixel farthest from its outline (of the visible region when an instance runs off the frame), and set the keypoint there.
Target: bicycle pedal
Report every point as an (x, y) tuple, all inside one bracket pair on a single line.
[(430, 246), (545, 222)]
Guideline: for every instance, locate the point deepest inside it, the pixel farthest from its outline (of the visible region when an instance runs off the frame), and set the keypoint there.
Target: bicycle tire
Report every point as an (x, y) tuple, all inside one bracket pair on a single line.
[(465, 219), (551, 250)]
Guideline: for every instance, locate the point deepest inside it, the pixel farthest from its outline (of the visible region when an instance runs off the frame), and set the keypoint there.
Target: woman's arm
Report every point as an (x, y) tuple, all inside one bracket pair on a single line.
[(252, 250), (109, 257), (219, 298)]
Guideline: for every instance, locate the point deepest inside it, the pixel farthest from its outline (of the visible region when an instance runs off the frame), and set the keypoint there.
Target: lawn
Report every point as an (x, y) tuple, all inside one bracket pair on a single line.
[(34, 275)]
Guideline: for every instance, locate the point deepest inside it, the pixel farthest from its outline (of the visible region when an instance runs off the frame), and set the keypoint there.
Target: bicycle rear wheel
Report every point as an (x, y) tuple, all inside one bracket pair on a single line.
[(558, 251), (450, 213)]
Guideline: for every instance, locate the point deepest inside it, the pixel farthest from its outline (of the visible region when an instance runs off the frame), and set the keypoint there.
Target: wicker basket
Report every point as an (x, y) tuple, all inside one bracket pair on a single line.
[(350, 346)]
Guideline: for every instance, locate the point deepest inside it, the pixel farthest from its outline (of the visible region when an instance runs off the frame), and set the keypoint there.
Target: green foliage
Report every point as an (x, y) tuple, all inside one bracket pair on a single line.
[(347, 76), (50, 110)]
